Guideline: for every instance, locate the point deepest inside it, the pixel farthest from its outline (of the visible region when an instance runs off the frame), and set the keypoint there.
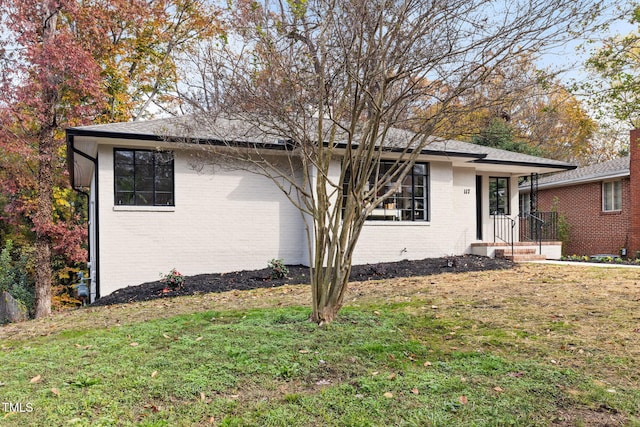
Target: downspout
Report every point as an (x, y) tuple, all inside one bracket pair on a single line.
[(72, 149)]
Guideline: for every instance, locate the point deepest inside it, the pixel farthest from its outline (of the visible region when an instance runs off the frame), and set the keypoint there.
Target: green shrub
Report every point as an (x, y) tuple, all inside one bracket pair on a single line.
[(278, 269), (14, 277), (174, 279)]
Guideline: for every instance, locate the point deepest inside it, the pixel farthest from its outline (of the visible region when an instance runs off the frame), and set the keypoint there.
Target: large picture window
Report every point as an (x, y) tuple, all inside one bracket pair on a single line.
[(143, 177), (612, 196), (410, 202), (499, 196)]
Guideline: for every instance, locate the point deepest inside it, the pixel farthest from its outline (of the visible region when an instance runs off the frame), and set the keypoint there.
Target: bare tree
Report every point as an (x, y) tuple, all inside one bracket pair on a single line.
[(339, 79)]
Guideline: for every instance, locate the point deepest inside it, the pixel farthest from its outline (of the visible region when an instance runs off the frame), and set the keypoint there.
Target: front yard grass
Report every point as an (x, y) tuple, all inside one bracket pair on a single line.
[(535, 346)]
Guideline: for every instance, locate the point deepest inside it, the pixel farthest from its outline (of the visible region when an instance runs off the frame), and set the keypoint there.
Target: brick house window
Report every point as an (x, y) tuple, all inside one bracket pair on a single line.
[(499, 195), (143, 177), (611, 196)]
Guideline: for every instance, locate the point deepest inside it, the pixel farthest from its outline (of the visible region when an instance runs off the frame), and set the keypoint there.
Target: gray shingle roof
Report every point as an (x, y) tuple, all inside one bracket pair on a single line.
[(600, 171), (224, 129)]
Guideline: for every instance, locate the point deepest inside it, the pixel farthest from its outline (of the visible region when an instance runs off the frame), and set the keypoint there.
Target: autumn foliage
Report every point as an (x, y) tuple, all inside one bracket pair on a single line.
[(67, 63)]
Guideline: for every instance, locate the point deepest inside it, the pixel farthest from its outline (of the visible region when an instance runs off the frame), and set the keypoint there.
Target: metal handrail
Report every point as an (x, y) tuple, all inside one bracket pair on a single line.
[(539, 222), (503, 229), (539, 227)]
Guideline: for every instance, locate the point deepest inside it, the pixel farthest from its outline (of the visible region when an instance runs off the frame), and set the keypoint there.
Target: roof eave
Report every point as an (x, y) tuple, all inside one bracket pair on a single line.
[(167, 138), (554, 166), (584, 180)]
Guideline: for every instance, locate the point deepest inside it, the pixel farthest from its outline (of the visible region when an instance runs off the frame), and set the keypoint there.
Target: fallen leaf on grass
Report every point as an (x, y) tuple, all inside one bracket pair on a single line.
[(427, 363), (166, 336), (153, 374), (199, 339), (303, 351), (415, 391), (391, 376), (498, 389), (388, 395), (35, 379), (55, 391), (134, 344), (463, 399)]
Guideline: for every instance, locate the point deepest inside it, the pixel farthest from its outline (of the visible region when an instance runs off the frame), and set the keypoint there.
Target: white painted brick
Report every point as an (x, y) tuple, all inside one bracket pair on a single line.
[(227, 220), (223, 221)]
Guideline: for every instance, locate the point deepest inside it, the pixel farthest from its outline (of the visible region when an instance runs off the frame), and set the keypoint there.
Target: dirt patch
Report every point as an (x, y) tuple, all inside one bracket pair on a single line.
[(600, 417), (255, 279)]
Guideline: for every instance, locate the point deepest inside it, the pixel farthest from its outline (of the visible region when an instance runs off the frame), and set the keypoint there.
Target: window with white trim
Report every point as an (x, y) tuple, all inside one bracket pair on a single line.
[(410, 202), (143, 177), (611, 196)]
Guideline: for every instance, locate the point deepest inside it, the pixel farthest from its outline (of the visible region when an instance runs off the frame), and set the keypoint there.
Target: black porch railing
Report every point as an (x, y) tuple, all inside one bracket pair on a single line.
[(504, 229), (539, 227), (535, 227)]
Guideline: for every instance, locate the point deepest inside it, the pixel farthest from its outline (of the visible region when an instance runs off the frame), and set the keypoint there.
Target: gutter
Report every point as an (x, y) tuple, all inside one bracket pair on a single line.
[(166, 138), (71, 151), (527, 164), (583, 180), (286, 145)]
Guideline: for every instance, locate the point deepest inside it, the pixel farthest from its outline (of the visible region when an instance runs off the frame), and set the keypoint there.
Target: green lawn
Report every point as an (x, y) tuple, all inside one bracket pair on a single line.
[(382, 363)]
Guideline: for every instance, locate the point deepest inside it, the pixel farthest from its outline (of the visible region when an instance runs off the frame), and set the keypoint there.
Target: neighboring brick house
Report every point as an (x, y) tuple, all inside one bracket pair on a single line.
[(601, 204)]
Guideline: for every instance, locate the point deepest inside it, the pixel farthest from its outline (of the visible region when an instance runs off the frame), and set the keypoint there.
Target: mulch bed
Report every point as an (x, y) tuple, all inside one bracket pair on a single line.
[(244, 280)]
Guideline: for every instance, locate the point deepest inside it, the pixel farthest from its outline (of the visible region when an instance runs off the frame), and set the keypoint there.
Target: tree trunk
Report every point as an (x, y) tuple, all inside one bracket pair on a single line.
[(43, 217), (330, 291), (329, 284), (42, 220)]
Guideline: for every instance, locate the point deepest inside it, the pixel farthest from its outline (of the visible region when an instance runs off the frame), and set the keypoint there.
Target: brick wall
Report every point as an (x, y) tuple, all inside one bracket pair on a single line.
[(634, 205), (592, 230)]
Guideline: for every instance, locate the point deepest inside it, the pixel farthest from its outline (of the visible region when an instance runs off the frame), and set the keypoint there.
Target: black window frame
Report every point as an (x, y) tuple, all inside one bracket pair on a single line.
[(395, 207), (156, 187), (495, 207)]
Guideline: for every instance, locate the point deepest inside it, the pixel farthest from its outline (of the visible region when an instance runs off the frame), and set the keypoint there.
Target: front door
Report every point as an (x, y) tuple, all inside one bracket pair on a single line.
[(478, 207)]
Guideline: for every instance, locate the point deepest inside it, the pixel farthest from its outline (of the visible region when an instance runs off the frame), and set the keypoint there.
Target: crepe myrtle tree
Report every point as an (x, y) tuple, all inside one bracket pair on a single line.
[(339, 81)]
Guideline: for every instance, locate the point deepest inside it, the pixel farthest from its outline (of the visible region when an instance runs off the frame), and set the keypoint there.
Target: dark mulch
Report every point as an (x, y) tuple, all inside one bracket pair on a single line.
[(243, 280)]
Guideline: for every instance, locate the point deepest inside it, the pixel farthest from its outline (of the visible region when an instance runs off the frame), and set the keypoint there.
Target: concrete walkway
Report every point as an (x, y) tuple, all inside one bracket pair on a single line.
[(585, 264)]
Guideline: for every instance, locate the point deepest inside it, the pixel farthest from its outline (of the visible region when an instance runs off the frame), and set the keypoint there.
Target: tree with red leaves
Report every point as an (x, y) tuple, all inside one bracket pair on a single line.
[(65, 63)]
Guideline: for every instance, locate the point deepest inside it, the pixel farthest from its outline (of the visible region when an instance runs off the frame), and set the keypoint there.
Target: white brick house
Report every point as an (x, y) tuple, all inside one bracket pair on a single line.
[(212, 220)]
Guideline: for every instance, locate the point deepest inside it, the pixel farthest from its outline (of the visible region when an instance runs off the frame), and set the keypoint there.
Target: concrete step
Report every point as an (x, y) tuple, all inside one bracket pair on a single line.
[(525, 257), (520, 254), (501, 253)]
